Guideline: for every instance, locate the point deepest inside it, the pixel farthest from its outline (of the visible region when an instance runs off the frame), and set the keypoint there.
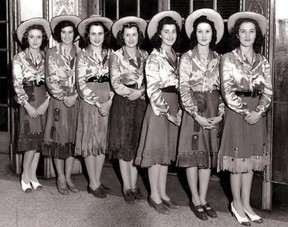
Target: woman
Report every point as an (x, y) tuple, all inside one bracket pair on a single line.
[(28, 80), (159, 134), (129, 105), (247, 90), (200, 96), (92, 80), (59, 137)]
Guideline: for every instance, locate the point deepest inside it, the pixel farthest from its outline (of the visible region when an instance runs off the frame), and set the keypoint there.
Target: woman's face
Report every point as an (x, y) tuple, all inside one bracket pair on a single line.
[(247, 34), (204, 34), (67, 35), (35, 37), (96, 35), (130, 36), (168, 34)]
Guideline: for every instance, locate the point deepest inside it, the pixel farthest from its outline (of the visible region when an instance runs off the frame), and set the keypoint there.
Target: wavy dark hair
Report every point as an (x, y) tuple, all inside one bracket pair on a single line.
[(120, 35), (58, 29), (85, 41), (259, 40), (156, 39), (45, 40), (193, 36)]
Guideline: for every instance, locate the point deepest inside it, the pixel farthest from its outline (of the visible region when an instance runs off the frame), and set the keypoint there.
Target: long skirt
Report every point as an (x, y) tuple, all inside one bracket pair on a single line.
[(198, 147), (30, 130), (125, 127), (158, 142), (243, 146), (92, 127), (60, 130)]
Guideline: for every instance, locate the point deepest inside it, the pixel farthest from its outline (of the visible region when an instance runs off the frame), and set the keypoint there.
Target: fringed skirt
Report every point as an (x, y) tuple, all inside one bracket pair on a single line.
[(60, 129), (30, 130), (92, 127), (158, 142), (125, 127), (243, 146), (198, 147)]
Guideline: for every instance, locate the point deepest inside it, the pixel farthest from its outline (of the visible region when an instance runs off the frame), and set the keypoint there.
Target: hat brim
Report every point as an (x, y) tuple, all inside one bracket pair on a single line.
[(34, 21), (211, 15), (262, 21), (152, 27), (94, 18), (118, 25), (56, 20)]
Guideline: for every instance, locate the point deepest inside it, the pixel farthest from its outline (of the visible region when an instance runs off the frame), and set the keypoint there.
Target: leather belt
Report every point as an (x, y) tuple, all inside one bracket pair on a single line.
[(100, 79), (170, 89), (252, 94), (33, 83)]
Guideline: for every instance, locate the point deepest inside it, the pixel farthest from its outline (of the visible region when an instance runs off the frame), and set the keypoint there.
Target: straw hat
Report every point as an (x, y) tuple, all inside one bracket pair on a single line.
[(262, 21), (152, 27), (33, 21), (93, 18), (211, 15), (118, 25), (57, 19)]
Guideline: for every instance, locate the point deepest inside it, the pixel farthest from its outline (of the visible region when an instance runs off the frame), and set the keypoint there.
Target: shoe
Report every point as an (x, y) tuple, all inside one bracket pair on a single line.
[(197, 211), (129, 196), (105, 189), (241, 220), (62, 188), (73, 188), (26, 187), (209, 210), (170, 204), (97, 192), (253, 217), (36, 185), (160, 208), (138, 194)]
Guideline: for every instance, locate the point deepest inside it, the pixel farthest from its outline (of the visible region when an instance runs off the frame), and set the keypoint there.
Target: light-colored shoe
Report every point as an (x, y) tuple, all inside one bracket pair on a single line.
[(36, 185), (253, 217), (241, 220), (25, 187)]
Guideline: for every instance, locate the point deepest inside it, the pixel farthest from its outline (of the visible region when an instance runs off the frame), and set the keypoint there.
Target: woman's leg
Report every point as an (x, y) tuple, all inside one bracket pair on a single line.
[(90, 163), (162, 182), (236, 186), (154, 173), (100, 159), (125, 174), (204, 177), (192, 178), (59, 164), (27, 162), (33, 167), (69, 162), (133, 175), (246, 190)]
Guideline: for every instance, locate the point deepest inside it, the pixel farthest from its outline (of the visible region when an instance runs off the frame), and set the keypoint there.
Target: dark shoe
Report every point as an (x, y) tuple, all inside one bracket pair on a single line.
[(170, 204), (129, 196), (138, 194), (105, 189), (62, 188), (97, 192), (199, 212), (209, 210), (73, 188), (160, 208)]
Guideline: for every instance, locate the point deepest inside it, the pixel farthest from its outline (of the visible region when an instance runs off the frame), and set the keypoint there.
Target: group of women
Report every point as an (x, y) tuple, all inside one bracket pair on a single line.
[(145, 109)]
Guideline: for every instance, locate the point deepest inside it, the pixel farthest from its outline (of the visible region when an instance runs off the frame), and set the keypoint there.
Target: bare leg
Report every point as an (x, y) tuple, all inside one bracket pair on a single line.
[(125, 174), (204, 177), (98, 168), (69, 162), (154, 173), (33, 167), (90, 163), (192, 178), (246, 190), (133, 174), (27, 162), (59, 164), (235, 181), (162, 182)]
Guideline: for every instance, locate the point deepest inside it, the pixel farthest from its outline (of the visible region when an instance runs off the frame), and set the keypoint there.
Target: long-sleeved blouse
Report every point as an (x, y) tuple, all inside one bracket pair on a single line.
[(161, 72), (198, 76), (60, 76), (124, 71), (238, 75), (89, 65), (26, 69)]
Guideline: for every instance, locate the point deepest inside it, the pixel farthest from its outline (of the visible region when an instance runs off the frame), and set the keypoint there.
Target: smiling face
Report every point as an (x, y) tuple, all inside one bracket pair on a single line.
[(247, 34), (67, 35), (168, 34), (35, 37), (130, 36), (96, 35), (204, 34)]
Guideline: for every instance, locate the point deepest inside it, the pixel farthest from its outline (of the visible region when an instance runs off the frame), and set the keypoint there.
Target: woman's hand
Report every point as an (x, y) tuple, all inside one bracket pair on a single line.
[(105, 107), (70, 100), (33, 113), (179, 116), (204, 122), (43, 107), (253, 117), (215, 120), (134, 95), (173, 119)]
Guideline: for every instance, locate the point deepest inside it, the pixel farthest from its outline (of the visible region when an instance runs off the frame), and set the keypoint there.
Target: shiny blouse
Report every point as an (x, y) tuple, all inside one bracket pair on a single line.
[(238, 75), (161, 72), (60, 76), (124, 70), (26, 69)]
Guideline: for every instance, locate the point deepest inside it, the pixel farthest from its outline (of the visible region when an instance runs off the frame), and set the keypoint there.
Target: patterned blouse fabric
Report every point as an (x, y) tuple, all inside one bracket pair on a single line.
[(161, 72), (126, 71)]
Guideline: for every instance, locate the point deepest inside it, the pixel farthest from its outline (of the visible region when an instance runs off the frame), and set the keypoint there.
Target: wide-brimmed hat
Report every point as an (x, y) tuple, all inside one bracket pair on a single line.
[(118, 25), (93, 18), (57, 19), (33, 21), (262, 21), (211, 15), (152, 27)]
